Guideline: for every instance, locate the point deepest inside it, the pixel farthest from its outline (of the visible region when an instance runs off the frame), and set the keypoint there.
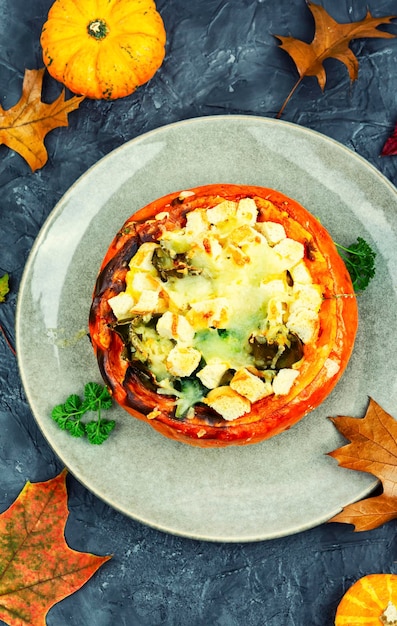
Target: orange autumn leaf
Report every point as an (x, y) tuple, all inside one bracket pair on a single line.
[(37, 567), (373, 449), (24, 127), (331, 39)]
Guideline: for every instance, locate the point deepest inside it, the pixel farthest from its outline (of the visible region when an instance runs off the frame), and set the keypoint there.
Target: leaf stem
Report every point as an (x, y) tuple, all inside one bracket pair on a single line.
[(288, 98), (8, 342), (349, 250)]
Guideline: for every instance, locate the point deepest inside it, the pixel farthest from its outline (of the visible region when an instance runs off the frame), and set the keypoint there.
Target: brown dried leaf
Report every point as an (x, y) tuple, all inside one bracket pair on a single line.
[(373, 449), (24, 127), (331, 39)]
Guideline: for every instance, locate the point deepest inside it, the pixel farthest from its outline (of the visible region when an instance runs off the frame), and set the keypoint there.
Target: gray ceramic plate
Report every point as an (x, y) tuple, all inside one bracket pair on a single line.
[(281, 486)]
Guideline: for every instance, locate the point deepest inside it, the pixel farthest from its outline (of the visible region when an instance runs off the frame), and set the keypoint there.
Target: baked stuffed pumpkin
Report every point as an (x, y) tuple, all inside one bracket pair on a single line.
[(222, 315)]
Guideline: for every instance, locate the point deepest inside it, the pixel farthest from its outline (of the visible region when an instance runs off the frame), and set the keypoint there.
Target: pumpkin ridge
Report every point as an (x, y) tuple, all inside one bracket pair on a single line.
[(143, 71), (130, 32), (138, 34), (68, 68), (147, 9), (124, 70), (149, 17), (372, 593), (60, 8)]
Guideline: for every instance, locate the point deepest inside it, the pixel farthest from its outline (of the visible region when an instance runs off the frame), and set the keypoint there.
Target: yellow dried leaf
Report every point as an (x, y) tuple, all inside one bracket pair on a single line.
[(24, 127)]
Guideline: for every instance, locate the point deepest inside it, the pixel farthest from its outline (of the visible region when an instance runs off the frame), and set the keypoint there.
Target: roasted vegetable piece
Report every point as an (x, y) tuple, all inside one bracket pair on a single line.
[(265, 354), (234, 336)]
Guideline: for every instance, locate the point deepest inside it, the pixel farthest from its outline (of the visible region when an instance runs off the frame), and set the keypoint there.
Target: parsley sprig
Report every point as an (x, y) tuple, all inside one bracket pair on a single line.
[(69, 415), (359, 259)]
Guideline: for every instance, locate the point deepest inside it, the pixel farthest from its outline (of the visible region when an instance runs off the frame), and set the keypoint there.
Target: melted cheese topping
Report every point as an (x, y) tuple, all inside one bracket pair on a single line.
[(203, 295)]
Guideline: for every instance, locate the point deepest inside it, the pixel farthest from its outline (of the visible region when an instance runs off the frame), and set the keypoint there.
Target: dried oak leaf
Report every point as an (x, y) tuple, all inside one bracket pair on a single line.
[(37, 567), (331, 39), (373, 449), (24, 127)]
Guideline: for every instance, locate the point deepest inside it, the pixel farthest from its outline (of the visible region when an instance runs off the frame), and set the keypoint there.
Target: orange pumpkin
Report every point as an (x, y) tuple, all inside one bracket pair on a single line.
[(320, 363), (371, 601), (103, 49)]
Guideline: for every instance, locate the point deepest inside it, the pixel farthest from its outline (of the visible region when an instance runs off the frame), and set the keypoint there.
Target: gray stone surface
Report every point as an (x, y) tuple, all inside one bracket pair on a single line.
[(222, 58)]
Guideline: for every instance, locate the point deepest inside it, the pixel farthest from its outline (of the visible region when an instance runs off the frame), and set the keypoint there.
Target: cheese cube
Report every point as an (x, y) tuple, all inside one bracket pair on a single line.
[(121, 305), (182, 360), (303, 322), (245, 235), (300, 273), (290, 251), (211, 313), (173, 326), (247, 211), (147, 303), (284, 380), (138, 282), (143, 257), (250, 386), (196, 222), (221, 212), (211, 374), (227, 403), (306, 296), (273, 231)]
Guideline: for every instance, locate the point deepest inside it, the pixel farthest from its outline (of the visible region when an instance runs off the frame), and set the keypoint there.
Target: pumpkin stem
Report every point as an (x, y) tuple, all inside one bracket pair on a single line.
[(97, 29)]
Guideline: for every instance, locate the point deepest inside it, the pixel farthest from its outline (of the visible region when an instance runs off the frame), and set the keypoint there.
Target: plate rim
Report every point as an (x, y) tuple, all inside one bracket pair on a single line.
[(46, 226)]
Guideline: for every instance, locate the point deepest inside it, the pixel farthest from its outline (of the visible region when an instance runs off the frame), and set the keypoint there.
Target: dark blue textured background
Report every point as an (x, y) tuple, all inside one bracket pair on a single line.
[(221, 58)]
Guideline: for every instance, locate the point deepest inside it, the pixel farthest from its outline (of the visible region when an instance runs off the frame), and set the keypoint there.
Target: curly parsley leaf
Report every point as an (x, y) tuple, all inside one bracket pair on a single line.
[(75, 427), (98, 431), (73, 405), (69, 415), (359, 259), (95, 396)]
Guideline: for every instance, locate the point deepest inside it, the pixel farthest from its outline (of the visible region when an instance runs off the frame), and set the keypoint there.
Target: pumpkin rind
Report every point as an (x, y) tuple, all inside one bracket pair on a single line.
[(269, 416), (103, 49), (365, 602)]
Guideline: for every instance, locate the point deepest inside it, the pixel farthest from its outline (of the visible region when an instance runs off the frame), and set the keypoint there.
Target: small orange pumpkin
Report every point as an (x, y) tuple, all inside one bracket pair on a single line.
[(371, 601), (103, 49)]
